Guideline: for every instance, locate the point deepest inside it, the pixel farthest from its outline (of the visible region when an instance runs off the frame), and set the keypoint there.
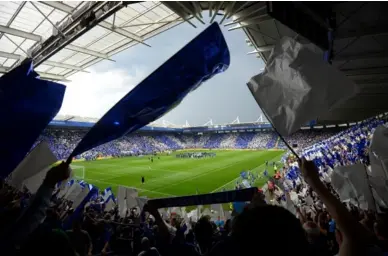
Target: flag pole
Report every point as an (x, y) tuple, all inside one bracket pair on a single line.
[(281, 137)]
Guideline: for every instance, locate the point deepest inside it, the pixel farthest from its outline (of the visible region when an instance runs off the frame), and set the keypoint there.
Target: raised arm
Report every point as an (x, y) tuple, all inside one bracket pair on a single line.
[(355, 240)]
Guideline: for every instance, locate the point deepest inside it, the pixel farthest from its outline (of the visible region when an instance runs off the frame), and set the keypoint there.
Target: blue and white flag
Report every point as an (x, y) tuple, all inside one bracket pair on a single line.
[(108, 194), (83, 184), (204, 57)]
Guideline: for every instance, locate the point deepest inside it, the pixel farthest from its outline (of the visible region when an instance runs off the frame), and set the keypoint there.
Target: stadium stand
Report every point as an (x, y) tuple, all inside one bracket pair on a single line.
[(62, 142), (104, 229), (70, 217)]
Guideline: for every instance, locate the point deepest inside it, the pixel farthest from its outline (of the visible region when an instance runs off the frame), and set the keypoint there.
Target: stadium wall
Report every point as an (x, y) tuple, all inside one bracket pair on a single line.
[(253, 127)]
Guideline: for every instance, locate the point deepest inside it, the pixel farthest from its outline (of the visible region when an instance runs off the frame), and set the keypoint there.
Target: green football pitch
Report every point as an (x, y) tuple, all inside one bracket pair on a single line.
[(171, 176)]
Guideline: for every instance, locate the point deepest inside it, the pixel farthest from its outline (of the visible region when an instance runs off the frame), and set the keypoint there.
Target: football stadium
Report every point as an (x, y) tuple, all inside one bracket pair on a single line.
[(303, 165), (166, 173)]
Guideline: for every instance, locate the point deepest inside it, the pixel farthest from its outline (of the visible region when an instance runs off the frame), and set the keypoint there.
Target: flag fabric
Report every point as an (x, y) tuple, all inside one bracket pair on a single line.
[(141, 201), (127, 199), (33, 183), (73, 192), (201, 59), (378, 170), (83, 184), (79, 210), (80, 197), (298, 86), (24, 100), (33, 167), (351, 183), (380, 192), (110, 204), (378, 153), (108, 194), (121, 200)]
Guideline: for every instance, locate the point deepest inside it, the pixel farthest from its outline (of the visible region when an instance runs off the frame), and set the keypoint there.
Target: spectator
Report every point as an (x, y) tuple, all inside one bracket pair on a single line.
[(147, 249), (80, 239)]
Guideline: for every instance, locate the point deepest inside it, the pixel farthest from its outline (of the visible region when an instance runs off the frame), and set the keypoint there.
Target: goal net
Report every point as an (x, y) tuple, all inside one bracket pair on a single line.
[(78, 171)]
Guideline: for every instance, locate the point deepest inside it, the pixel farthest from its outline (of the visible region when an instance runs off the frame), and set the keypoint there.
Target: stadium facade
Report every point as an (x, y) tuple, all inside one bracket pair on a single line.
[(225, 128)]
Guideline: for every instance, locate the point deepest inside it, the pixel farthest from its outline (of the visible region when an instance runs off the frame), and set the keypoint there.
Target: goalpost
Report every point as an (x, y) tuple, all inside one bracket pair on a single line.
[(78, 171)]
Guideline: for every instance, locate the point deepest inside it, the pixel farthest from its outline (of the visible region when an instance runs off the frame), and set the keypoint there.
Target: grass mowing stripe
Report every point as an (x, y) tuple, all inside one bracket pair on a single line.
[(203, 174), (140, 189), (239, 177), (170, 175), (212, 179)]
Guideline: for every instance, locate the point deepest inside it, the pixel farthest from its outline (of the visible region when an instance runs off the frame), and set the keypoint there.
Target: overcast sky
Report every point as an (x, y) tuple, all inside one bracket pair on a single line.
[(222, 98)]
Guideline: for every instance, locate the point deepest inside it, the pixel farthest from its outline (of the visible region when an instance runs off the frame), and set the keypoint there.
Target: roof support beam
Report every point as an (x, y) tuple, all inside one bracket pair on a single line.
[(63, 65), (87, 51), (265, 48), (20, 33), (227, 10), (152, 23), (58, 5), (42, 75), (16, 13), (122, 32), (218, 7), (79, 22), (104, 24), (10, 55), (194, 13)]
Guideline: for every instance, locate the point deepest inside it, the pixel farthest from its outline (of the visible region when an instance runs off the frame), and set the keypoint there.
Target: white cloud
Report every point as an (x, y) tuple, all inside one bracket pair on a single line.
[(93, 94)]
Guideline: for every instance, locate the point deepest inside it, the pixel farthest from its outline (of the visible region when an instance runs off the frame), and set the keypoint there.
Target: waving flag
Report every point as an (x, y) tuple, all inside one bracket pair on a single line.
[(24, 100), (201, 59), (298, 86), (108, 194)]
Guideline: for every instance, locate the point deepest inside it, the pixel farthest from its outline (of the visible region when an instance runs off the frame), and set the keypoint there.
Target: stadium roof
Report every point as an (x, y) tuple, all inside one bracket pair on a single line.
[(359, 50), (67, 37), (359, 47)]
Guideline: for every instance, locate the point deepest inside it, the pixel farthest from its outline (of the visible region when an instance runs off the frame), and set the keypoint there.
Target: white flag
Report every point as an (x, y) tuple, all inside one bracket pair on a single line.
[(298, 86), (351, 183), (110, 204), (378, 153), (80, 197), (35, 162), (141, 201)]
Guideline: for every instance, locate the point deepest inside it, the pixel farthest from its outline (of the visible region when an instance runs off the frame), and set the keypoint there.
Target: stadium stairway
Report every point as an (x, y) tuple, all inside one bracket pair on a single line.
[(243, 139), (214, 141), (156, 145), (277, 142), (228, 141), (177, 139), (273, 141), (171, 144)]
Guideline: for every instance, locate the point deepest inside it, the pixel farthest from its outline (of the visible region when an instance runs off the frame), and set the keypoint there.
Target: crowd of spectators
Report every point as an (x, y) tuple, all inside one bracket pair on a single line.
[(46, 224), (328, 223), (62, 142)]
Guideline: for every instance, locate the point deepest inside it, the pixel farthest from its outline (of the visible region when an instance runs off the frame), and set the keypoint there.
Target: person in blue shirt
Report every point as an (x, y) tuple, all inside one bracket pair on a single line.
[(219, 223)]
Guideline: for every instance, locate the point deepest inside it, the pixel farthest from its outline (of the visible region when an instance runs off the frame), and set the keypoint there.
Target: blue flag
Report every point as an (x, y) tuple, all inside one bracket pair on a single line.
[(27, 105), (79, 210), (201, 59)]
